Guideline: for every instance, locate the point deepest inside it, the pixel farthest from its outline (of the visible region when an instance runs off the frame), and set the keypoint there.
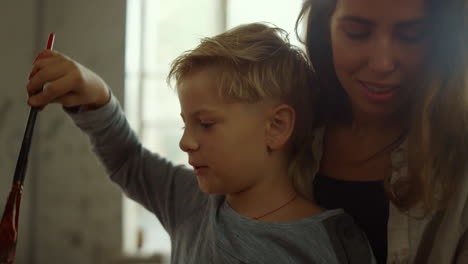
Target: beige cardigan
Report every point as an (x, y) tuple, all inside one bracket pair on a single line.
[(440, 238)]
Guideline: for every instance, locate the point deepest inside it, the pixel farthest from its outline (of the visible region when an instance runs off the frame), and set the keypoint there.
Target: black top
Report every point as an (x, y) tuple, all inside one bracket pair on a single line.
[(365, 201)]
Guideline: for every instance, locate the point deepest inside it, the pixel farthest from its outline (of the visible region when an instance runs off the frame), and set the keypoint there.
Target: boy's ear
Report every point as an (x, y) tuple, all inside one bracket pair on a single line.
[(280, 126)]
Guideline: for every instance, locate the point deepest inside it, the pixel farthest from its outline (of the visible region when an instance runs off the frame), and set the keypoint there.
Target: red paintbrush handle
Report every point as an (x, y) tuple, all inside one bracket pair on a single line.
[(50, 41)]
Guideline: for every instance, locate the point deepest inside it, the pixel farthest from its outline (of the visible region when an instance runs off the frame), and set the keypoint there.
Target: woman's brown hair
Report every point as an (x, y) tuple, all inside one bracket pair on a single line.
[(438, 129)]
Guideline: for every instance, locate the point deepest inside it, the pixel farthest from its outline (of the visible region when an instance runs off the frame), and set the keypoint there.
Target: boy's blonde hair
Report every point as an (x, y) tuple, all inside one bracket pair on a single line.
[(258, 62)]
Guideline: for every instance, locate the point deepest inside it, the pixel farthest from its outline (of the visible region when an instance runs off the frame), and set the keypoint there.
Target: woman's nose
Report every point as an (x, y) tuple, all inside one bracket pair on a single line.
[(383, 57)]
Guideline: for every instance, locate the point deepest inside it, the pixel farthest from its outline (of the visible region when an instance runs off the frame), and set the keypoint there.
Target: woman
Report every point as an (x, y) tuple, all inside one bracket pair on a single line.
[(392, 140)]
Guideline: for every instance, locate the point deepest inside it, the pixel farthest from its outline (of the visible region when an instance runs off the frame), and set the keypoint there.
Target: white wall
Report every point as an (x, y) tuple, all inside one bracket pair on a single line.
[(70, 213)]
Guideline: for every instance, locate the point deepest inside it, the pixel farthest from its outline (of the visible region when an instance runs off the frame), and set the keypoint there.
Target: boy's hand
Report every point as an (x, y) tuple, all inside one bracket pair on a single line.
[(68, 83)]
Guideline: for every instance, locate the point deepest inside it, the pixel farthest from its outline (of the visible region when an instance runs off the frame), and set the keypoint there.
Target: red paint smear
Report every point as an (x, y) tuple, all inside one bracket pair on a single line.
[(9, 225)]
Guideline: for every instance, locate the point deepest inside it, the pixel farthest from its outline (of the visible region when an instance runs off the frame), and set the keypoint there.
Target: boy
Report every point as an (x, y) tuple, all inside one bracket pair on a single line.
[(244, 98)]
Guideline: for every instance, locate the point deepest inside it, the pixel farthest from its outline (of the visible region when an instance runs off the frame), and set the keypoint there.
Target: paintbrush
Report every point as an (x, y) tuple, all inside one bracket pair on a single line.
[(10, 219)]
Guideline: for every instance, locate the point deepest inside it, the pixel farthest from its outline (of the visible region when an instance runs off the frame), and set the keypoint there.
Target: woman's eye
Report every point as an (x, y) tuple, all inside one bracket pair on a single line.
[(357, 35), (356, 31), (411, 37)]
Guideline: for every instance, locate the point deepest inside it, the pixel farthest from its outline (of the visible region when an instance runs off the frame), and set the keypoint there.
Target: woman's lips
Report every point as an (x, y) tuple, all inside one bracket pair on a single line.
[(378, 92), (379, 88)]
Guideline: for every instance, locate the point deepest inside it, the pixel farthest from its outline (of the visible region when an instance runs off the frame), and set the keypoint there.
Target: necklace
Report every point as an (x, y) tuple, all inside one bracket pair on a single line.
[(386, 149), (277, 209)]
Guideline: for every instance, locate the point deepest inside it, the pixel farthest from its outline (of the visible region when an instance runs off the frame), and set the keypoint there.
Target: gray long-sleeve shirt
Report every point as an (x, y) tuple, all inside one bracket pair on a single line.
[(203, 228)]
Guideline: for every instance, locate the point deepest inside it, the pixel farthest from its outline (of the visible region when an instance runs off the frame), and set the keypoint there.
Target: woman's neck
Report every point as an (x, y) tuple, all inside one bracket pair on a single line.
[(365, 125)]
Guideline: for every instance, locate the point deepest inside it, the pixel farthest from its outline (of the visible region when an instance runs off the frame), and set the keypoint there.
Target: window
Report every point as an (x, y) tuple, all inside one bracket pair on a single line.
[(157, 32)]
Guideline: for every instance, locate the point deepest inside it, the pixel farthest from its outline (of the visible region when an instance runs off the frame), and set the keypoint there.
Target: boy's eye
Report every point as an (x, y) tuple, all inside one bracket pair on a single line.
[(206, 124)]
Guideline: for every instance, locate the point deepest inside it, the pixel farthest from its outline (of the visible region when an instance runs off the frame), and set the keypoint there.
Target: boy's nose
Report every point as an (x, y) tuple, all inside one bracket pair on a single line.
[(187, 143)]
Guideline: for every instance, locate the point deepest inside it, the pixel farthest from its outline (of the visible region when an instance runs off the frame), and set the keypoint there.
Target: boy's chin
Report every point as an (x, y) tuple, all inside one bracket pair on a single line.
[(209, 189), (213, 192), (217, 187)]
